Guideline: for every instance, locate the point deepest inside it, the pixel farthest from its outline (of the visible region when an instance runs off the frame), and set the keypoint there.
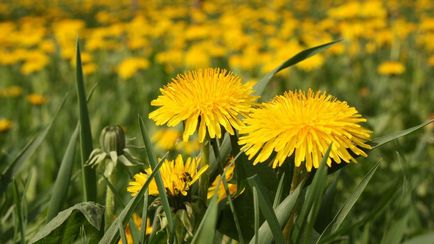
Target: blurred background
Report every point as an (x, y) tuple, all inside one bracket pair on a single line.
[(384, 67)]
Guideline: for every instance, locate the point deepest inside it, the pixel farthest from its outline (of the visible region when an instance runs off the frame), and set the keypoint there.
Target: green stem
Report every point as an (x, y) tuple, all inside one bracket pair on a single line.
[(203, 180), (297, 177), (109, 202)]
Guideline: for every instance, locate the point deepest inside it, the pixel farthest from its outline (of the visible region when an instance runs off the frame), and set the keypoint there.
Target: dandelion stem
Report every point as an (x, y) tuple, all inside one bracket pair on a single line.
[(203, 181), (109, 202)]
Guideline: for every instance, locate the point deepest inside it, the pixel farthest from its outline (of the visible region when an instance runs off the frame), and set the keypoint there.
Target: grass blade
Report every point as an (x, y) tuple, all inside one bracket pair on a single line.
[(112, 233), (427, 238), (158, 179), (267, 210), (378, 142), (283, 211), (306, 219), (279, 191), (144, 217), (88, 174), (343, 212), (260, 86), (63, 178), (19, 213), (206, 231), (12, 170), (256, 212)]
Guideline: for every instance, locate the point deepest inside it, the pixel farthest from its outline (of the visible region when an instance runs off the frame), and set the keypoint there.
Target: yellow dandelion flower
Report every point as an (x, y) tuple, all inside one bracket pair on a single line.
[(36, 99), (304, 125), (138, 223), (166, 139), (177, 177), (217, 184), (12, 91), (5, 125), (391, 68), (205, 98)]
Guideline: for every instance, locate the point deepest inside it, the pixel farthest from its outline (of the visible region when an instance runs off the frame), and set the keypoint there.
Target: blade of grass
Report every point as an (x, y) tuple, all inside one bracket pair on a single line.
[(344, 211), (279, 191), (112, 234), (144, 217), (427, 238), (88, 174), (18, 211), (158, 179), (122, 233), (283, 211), (14, 168), (256, 214), (206, 231), (63, 178), (267, 209), (306, 219), (378, 142), (260, 86)]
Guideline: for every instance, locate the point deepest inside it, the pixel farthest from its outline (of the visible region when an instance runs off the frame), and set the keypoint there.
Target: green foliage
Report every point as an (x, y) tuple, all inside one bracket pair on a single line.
[(65, 227)]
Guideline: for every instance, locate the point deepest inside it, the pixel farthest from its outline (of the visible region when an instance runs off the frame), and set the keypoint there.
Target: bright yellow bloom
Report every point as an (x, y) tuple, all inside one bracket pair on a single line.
[(36, 99), (5, 125), (205, 98), (130, 66), (138, 222), (218, 183), (177, 177), (304, 125), (166, 139), (391, 68)]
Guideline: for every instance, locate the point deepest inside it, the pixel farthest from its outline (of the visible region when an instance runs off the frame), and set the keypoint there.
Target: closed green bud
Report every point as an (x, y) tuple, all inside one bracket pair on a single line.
[(112, 139)]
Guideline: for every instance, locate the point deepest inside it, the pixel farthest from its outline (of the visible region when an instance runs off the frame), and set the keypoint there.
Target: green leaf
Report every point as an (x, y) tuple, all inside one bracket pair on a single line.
[(206, 231), (256, 214), (307, 217), (267, 209), (279, 191), (283, 211), (63, 178), (427, 238), (144, 217), (64, 228), (396, 232), (88, 174), (343, 212), (18, 210), (14, 168), (158, 179), (112, 233), (378, 142), (260, 86)]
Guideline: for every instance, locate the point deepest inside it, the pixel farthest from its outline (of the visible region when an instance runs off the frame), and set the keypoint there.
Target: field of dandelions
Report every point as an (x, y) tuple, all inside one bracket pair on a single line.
[(198, 121)]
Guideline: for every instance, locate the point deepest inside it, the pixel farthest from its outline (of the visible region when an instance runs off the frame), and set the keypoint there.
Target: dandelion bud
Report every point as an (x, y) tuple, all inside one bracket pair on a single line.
[(112, 139)]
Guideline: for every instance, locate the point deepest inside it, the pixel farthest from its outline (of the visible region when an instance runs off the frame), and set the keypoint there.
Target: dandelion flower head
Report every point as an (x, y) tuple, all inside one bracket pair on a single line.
[(205, 99), (304, 125), (178, 176)]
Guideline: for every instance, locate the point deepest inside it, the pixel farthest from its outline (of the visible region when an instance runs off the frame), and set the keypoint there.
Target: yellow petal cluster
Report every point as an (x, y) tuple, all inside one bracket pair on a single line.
[(391, 68), (206, 98), (304, 124), (217, 184), (178, 176)]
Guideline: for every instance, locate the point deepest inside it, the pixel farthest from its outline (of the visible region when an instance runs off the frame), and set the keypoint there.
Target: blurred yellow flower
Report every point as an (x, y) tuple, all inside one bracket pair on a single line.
[(138, 223), (304, 125), (129, 66), (431, 61), (178, 176), (391, 68), (5, 125), (205, 98), (217, 184), (36, 99), (11, 91), (165, 139)]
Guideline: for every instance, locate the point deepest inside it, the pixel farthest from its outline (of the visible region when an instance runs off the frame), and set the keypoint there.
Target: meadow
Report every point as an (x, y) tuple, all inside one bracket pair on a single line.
[(216, 121)]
